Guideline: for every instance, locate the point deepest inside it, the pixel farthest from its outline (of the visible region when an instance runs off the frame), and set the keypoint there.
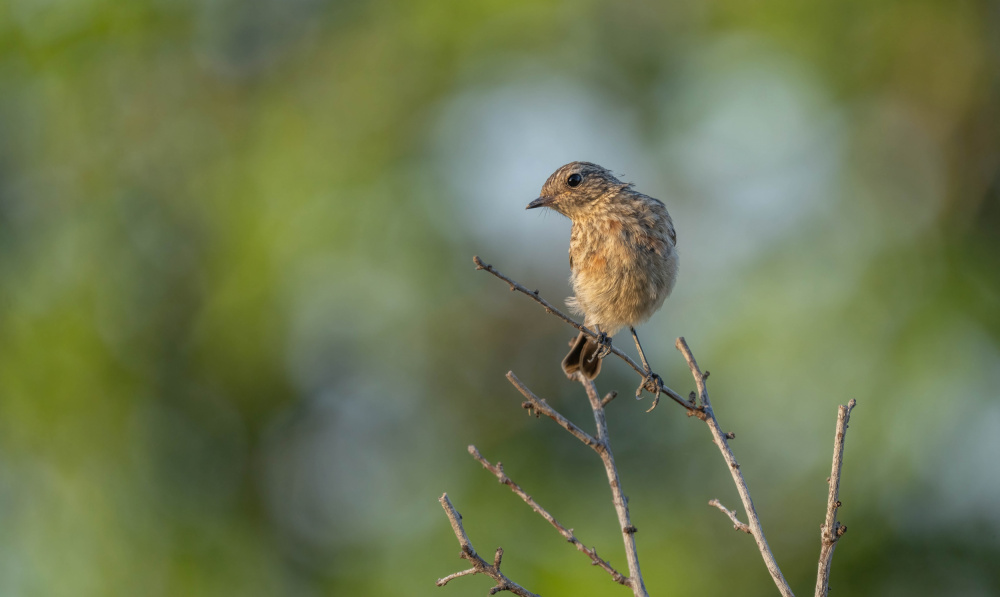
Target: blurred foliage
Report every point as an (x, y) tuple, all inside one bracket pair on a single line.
[(242, 345)]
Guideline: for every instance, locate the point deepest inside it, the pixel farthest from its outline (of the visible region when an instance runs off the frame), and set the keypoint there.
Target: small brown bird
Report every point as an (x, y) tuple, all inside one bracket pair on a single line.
[(621, 255)]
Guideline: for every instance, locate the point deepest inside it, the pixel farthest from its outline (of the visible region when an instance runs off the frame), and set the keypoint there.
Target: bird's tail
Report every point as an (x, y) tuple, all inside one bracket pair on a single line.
[(579, 357)]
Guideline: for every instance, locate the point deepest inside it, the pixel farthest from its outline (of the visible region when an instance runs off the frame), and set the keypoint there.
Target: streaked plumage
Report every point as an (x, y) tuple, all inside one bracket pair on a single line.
[(622, 259)]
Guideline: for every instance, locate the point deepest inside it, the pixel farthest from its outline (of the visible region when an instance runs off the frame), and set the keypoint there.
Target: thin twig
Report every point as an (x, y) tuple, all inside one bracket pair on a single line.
[(543, 407), (501, 476), (617, 496), (443, 581), (739, 526), (608, 398), (692, 409), (832, 531), (479, 565), (720, 440)]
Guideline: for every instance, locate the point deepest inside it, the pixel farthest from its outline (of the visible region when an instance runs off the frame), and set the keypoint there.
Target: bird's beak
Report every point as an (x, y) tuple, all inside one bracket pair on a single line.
[(540, 202)]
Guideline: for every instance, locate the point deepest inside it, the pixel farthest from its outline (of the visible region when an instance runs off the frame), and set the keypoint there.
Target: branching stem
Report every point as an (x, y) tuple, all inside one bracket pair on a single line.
[(721, 441), (479, 565), (832, 531), (501, 476)]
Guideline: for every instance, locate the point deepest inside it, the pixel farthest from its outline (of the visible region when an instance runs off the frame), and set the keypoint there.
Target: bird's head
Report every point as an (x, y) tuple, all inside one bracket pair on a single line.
[(576, 187)]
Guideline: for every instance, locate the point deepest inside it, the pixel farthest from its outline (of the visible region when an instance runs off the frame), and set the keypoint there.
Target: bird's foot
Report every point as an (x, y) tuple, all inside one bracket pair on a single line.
[(604, 347), (652, 383)]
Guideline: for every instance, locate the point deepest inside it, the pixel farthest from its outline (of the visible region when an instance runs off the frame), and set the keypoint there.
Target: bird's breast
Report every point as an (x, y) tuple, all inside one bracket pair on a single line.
[(621, 271)]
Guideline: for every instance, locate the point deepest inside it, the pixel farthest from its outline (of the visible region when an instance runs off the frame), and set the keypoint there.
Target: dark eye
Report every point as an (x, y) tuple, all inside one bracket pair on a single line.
[(574, 180)]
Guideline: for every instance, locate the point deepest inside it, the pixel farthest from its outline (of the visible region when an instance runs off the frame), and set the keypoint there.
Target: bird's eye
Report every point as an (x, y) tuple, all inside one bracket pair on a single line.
[(574, 180)]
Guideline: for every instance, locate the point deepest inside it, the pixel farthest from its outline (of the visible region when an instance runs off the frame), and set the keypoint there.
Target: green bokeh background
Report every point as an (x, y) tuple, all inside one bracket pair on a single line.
[(243, 346)]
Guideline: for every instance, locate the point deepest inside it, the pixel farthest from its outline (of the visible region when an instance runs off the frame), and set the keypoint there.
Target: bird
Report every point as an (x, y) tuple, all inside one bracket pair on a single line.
[(622, 259)]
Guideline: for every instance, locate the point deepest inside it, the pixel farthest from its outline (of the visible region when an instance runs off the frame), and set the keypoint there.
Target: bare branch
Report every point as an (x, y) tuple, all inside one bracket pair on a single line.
[(602, 446), (739, 526), (832, 531), (443, 581), (479, 565), (617, 496), (498, 471), (608, 398), (543, 407), (553, 310), (721, 442)]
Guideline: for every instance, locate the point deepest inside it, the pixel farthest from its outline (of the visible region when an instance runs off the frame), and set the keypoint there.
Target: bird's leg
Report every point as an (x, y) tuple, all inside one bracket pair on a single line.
[(651, 381), (604, 345)]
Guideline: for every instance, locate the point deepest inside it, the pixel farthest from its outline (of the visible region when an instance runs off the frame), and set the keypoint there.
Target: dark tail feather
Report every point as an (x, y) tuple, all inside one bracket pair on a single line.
[(578, 359)]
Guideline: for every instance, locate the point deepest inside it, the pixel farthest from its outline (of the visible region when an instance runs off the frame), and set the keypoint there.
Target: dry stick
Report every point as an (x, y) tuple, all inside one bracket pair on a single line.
[(608, 398), (479, 565), (619, 499), (692, 409), (602, 446), (498, 471), (739, 526), (543, 407), (734, 468), (832, 531)]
